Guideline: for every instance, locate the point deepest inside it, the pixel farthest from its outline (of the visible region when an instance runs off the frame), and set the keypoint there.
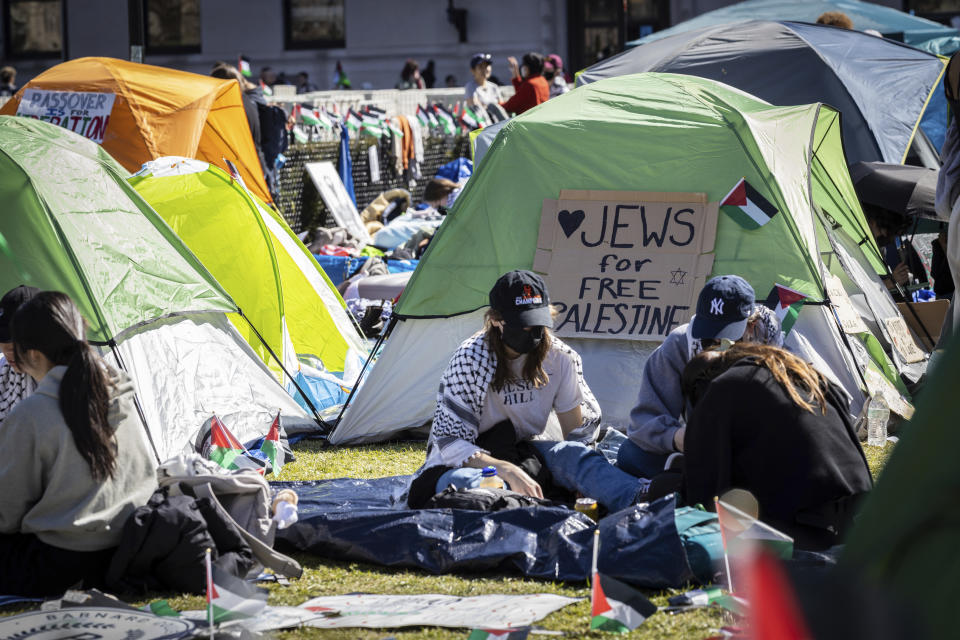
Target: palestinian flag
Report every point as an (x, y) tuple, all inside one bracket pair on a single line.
[(616, 606), (432, 117), (271, 446), (315, 118), (519, 633), (243, 66), (446, 119), (745, 205), (230, 598), (394, 127), (786, 303), (226, 450), (265, 88), (371, 125), (300, 135), (469, 119), (353, 121), (422, 117)]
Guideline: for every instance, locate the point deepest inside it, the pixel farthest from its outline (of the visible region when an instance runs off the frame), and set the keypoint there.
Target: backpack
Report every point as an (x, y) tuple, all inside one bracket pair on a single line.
[(242, 495)]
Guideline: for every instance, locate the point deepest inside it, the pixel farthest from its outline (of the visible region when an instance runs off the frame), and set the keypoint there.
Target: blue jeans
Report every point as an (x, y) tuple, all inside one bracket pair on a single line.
[(640, 462), (575, 467)]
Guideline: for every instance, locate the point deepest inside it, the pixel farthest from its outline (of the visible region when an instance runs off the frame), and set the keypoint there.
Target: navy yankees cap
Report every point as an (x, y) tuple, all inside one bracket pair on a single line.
[(724, 305)]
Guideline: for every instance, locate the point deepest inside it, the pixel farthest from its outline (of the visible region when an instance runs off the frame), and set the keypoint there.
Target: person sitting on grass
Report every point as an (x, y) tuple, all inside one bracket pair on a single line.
[(516, 376), (76, 462), (765, 421)]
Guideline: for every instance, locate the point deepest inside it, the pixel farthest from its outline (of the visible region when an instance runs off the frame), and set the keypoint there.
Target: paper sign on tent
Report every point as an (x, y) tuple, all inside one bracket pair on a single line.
[(625, 264), (902, 340)]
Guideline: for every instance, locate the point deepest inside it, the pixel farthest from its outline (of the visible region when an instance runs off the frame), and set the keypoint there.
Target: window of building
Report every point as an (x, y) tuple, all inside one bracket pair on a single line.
[(942, 11), (34, 28), (173, 26), (314, 24), (598, 29)]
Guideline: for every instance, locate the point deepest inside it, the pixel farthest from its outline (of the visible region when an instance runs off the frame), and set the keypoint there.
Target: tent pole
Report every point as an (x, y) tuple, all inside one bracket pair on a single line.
[(316, 414), (136, 401), (373, 352)]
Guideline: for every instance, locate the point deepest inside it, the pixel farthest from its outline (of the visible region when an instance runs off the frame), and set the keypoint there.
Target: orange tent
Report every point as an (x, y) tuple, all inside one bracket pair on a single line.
[(155, 112)]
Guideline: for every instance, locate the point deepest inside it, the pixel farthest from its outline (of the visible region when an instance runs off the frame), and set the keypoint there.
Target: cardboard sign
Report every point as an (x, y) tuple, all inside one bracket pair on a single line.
[(625, 264), (335, 196), (902, 340), (81, 112), (850, 320), (897, 403)]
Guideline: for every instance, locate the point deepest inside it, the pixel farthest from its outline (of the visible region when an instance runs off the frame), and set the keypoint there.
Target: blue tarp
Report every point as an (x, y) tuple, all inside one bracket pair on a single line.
[(339, 268), (880, 87), (362, 520)]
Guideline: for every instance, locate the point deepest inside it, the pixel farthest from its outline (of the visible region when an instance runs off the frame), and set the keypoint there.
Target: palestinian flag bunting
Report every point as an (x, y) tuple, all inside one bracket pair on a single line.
[(353, 121), (226, 450), (313, 117), (617, 607), (271, 446), (786, 303), (371, 125), (745, 205), (422, 117), (519, 633), (230, 598)]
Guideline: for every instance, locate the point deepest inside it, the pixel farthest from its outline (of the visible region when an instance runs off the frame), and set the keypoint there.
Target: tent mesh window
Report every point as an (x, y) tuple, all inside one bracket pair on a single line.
[(302, 206)]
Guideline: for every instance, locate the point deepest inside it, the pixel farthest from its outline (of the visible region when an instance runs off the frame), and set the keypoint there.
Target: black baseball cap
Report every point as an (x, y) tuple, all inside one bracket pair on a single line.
[(521, 298), (724, 305), (479, 58), (9, 304)]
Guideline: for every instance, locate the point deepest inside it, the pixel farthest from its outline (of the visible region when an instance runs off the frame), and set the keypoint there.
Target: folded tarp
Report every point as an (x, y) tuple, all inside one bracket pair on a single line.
[(365, 520)]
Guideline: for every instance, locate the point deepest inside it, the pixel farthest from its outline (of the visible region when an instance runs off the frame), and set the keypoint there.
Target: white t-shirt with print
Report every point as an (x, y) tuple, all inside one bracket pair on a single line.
[(533, 410)]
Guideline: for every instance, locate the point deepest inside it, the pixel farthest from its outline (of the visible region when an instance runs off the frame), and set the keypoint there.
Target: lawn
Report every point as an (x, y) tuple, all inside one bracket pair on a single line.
[(327, 577)]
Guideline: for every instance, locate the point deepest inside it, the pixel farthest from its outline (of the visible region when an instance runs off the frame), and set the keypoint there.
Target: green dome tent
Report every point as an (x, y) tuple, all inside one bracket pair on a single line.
[(264, 267), (73, 224), (661, 133)]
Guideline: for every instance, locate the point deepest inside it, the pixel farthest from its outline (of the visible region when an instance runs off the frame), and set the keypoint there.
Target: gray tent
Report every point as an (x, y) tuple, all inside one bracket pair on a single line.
[(880, 87)]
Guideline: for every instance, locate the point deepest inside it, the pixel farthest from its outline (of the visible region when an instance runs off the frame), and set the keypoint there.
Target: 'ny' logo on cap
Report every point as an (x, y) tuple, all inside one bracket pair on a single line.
[(716, 306)]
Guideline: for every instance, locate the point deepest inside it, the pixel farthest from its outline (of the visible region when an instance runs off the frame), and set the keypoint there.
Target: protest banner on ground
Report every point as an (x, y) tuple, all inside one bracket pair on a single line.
[(625, 264), (82, 112), (484, 612)]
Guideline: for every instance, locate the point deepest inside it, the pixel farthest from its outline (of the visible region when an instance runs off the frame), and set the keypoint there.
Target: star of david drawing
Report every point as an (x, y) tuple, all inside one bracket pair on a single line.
[(677, 276)]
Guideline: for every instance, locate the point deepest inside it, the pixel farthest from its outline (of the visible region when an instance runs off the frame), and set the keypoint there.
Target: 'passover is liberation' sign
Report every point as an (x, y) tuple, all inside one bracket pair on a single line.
[(625, 264), (79, 111)]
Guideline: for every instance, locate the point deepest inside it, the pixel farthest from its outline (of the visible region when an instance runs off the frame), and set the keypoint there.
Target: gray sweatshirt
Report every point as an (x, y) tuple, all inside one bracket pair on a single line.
[(656, 417), (47, 486)]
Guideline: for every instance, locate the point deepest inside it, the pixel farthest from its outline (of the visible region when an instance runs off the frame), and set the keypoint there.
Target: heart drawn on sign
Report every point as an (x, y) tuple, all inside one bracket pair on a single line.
[(570, 221)]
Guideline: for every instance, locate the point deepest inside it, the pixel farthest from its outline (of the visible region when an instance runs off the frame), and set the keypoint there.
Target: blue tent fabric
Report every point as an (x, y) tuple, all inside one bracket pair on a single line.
[(345, 164), (890, 22), (879, 86), (921, 33), (456, 170), (364, 520)]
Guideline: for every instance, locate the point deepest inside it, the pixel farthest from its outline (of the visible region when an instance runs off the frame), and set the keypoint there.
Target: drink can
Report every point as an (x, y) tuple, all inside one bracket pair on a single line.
[(588, 507)]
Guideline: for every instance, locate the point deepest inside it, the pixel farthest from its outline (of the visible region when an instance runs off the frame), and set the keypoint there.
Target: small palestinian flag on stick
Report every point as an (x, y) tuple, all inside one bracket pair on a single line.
[(226, 450), (745, 205), (271, 446), (229, 597), (786, 303), (520, 633), (243, 66), (615, 606)]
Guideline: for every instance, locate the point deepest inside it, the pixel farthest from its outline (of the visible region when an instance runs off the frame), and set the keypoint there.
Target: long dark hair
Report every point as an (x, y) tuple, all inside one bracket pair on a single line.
[(532, 366), (803, 383), (52, 324)]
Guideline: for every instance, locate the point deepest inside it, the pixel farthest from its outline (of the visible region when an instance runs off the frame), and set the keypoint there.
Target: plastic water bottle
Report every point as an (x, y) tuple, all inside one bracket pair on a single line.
[(877, 416), (489, 479)]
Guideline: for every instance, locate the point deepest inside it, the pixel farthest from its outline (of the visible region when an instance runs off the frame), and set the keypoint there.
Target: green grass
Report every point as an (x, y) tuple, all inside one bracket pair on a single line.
[(325, 577)]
